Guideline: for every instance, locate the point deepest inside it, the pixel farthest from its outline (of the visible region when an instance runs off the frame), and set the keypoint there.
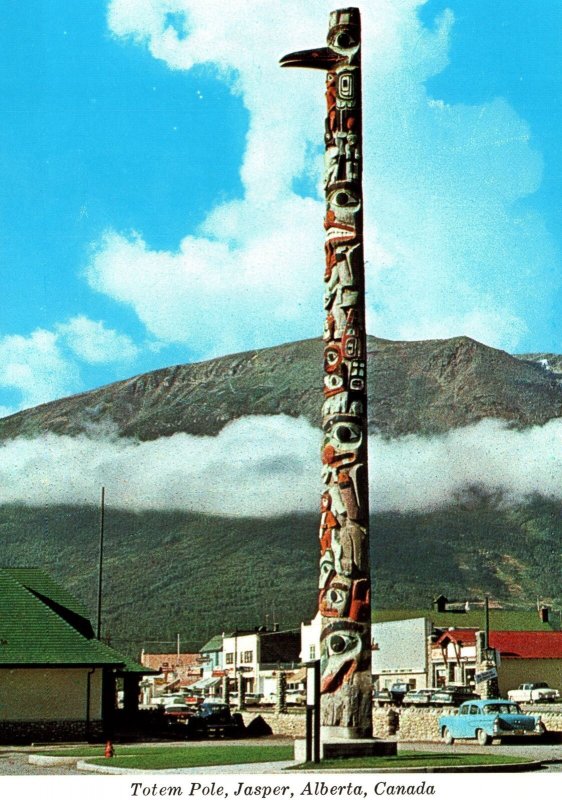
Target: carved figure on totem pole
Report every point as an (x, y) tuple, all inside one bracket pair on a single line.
[(344, 584)]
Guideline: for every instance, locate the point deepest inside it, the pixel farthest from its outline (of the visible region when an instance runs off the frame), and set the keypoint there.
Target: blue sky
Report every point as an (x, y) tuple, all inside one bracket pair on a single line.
[(160, 174)]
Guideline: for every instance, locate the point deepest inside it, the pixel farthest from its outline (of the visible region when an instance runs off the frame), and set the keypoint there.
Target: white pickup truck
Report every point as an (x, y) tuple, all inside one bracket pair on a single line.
[(534, 693)]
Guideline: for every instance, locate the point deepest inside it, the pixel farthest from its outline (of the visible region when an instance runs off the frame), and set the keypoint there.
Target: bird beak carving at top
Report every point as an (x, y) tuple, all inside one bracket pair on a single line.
[(343, 45), (323, 58)]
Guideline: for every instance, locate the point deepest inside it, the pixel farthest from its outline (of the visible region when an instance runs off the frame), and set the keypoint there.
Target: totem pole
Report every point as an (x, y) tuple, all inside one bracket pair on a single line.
[(344, 585)]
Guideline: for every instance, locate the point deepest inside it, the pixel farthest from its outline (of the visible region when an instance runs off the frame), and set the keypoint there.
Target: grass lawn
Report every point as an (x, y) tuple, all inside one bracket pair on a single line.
[(152, 758), (164, 757), (413, 759), (88, 750)]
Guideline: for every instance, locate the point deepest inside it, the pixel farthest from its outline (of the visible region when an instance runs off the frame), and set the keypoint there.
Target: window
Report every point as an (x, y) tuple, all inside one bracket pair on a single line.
[(312, 652), (247, 657), (229, 658)]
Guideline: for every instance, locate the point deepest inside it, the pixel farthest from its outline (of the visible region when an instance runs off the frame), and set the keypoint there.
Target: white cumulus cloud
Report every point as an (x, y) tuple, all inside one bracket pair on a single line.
[(46, 364), (95, 343), (35, 367), (450, 247)]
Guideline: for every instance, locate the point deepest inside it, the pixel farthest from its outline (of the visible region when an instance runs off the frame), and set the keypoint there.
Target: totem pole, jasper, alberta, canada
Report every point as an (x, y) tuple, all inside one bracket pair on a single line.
[(344, 585)]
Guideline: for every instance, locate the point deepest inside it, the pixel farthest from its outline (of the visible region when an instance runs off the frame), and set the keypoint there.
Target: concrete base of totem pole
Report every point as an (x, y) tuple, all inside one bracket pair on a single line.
[(347, 748)]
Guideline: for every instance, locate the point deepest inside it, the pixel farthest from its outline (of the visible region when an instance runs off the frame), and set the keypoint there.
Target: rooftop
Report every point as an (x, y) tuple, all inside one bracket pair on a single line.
[(42, 624), (511, 644), (171, 660), (500, 619), (519, 644)]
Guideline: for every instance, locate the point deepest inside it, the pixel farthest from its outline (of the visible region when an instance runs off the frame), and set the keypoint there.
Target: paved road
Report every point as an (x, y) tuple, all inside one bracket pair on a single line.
[(535, 751), (15, 763)]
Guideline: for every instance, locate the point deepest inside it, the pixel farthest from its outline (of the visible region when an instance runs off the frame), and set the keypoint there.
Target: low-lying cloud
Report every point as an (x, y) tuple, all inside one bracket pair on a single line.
[(269, 466)]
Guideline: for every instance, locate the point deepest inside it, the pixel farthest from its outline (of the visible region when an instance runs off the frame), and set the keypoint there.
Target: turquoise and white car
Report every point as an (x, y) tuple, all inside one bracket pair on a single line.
[(485, 720)]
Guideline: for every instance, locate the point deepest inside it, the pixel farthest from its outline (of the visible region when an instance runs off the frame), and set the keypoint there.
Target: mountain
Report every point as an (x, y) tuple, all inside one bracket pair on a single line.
[(170, 572), (421, 387)]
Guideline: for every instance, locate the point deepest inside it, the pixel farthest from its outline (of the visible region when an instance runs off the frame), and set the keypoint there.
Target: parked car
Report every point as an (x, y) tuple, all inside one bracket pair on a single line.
[(168, 699), (382, 697), (534, 693), (395, 694), (250, 698), (420, 697), (295, 697), (398, 691), (178, 712), (453, 696), (215, 718), (485, 720), (191, 700)]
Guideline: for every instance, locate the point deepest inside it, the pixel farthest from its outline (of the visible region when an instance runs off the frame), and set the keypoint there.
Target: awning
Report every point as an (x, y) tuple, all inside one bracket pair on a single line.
[(205, 683)]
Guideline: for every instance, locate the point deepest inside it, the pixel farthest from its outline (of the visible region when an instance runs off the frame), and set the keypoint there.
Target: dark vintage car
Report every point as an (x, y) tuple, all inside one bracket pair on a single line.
[(381, 697), (394, 695), (453, 696), (214, 718), (421, 697), (398, 691)]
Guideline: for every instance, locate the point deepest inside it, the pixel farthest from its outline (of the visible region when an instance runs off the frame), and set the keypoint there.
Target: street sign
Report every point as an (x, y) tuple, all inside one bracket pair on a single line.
[(480, 677)]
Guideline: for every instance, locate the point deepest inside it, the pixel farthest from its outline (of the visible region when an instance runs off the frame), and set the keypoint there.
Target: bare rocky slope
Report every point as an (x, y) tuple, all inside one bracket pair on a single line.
[(414, 387)]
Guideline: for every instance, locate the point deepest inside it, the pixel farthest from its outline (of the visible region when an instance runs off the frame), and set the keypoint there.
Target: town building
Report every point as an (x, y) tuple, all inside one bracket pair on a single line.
[(400, 652), (436, 647), (212, 656), (522, 656), (175, 672), (57, 681), (258, 656)]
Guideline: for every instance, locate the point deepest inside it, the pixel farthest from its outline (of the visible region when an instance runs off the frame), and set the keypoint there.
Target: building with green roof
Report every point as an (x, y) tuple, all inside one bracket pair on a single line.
[(57, 681)]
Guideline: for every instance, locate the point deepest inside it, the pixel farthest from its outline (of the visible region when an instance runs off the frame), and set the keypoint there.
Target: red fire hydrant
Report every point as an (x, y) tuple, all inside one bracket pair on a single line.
[(109, 751)]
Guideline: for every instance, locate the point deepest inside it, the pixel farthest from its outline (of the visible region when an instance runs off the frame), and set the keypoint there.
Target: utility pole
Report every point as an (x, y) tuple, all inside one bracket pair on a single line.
[(344, 586), (100, 567)]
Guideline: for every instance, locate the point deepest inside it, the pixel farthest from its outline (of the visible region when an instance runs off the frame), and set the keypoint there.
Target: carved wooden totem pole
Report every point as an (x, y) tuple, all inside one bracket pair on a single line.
[(344, 585)]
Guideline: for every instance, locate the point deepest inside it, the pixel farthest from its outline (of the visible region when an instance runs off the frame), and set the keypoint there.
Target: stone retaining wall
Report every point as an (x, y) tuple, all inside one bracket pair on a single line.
[(59, 731), (552, 720), (408, 724), (293, 725), (419, 724)]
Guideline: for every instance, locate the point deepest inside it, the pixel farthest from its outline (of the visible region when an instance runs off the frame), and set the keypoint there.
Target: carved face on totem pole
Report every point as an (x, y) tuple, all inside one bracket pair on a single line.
[(344, 582)]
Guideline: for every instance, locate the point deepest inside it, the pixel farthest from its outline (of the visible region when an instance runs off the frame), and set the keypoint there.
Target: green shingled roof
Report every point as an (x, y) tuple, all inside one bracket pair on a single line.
[(500, 619), (33, 634), (213, 645), (41, 583)]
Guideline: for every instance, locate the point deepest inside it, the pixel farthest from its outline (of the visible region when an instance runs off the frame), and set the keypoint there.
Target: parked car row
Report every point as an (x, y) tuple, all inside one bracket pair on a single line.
[(401, 694), (293, 697), (210, 718)]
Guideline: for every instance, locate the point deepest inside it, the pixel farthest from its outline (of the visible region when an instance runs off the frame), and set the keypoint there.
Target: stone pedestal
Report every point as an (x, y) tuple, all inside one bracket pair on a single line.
[(347, 748)]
